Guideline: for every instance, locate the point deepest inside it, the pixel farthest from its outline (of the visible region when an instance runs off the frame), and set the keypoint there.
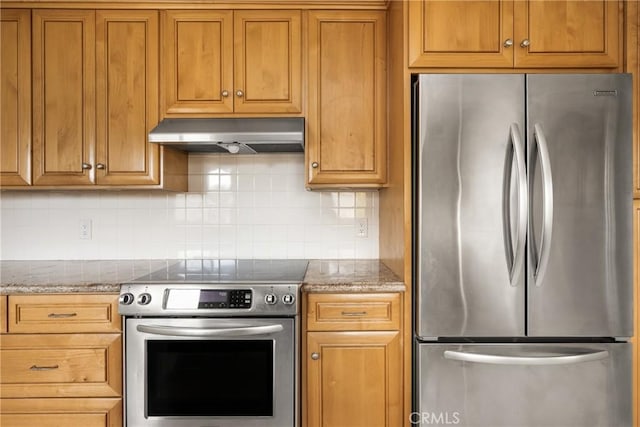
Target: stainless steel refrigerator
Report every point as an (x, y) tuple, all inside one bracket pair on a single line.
[(523, 250)]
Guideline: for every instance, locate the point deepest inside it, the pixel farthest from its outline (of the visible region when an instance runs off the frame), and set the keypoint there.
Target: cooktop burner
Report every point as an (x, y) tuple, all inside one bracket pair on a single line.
[(229, 271)]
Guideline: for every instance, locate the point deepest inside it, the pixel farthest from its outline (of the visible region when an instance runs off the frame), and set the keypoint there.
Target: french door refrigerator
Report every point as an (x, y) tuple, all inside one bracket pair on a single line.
[(523, 252)]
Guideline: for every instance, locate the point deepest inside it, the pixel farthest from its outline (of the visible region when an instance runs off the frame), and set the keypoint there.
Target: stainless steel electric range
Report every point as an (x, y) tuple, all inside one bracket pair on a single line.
[(213, 343)]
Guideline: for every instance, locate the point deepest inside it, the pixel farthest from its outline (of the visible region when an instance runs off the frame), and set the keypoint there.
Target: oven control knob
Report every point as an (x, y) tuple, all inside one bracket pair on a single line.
[(126, 299), (270, 299), (288, 299), (144, 299)]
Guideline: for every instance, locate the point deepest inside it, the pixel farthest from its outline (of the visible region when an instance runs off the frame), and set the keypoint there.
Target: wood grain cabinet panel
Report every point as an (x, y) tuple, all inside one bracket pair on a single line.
[(3, 314), (100, 412), (60, 365), (63, 96), (229, 62), (521, 34), (354, 379), (62, 313), (15, 97), (346, 132), (327, 312), (127, 45)]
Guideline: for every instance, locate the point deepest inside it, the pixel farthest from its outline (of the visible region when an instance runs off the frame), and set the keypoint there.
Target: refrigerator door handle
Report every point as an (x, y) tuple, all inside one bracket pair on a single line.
[(524, 359), (515, 258), (547, 205)]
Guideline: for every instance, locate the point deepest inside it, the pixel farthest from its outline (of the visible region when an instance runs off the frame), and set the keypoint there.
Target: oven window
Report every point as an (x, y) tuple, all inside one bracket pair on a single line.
[(210, 378)]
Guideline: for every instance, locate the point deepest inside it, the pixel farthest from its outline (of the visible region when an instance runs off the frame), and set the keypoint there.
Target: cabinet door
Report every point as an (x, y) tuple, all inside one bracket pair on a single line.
[(126, 97), (354, 379), (197, 57), (63, 97), (103, 412), (346, 132), (444, 33), (15, 97), (267, 71), (567, 33)]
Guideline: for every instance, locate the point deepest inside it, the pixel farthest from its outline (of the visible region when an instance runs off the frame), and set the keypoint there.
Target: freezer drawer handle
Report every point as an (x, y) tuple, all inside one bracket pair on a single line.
[(497, 359), (542, 257), (515, 258), (209, 332)]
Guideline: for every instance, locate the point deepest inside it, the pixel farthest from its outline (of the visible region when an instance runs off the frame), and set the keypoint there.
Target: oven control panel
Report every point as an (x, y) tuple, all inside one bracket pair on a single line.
[(225, 300)]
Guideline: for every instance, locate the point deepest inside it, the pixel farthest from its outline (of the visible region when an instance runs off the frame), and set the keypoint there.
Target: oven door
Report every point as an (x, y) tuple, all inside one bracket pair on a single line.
[(210, 372)]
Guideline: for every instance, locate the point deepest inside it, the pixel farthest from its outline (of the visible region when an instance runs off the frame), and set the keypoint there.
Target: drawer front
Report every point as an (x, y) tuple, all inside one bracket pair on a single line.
[(329, 312), (61, 412), (61, 365), (63, 313)]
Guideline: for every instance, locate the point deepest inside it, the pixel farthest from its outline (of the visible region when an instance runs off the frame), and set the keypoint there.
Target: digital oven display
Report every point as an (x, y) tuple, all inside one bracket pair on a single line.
[(240, 298)]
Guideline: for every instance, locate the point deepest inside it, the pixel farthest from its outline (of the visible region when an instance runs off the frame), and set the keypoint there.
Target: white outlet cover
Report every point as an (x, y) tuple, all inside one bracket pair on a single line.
[(85, 229)]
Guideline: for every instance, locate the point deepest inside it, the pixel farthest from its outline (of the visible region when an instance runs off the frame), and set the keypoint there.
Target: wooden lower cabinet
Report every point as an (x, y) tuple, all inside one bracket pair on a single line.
[(61, 412), (60, 361), (354, 379), (353, 362)]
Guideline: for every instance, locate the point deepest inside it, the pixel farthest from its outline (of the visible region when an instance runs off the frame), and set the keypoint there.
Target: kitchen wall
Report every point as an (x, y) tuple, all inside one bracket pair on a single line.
[(237, 206)]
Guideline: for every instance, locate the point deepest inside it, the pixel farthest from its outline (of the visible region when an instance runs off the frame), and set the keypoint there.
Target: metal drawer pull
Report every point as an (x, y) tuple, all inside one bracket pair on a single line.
[(354, 313), (43, 368), (61, 315), (315, 356)]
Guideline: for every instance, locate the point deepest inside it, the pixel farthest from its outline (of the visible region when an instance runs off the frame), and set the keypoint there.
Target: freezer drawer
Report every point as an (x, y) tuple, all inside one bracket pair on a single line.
[(523, 385)]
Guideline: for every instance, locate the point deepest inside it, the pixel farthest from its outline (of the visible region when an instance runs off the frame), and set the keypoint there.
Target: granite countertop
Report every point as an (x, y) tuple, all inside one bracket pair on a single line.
[(324, 276), (105, 276)]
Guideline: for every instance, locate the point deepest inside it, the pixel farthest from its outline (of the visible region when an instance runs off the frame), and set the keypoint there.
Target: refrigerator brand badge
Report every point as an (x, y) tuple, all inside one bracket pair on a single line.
[(605, 93)]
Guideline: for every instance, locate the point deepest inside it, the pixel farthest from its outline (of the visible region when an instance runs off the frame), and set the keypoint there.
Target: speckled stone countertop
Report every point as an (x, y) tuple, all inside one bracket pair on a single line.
[(325, 276), (72, 276), (105, 276)]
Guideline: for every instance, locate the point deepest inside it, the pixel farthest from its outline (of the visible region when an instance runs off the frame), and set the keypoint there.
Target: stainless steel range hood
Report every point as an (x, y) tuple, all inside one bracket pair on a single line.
[(236, 136)]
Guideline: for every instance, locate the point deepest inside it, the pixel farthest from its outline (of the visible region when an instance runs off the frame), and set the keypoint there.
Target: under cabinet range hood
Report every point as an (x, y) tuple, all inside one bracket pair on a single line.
[(235, 136)]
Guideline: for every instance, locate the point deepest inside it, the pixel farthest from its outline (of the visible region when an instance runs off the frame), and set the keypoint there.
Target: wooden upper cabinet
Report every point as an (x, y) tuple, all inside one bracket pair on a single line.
[(217, 62), (63, 97), (346, 132), (445, 33), (197, 61), (15, 97), (507, 33), (267, 72), (567, 33), (126, 97)]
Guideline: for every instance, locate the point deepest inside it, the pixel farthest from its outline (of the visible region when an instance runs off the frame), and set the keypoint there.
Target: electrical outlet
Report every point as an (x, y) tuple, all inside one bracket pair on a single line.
[(85, 229), (362, 227)]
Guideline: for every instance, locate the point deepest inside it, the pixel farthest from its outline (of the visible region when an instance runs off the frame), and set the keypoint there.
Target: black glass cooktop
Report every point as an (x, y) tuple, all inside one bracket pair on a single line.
[(229, 271)]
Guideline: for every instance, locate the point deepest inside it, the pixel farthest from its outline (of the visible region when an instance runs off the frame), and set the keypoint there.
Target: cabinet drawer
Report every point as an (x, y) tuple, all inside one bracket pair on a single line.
[(61, 412), (61, 365), (63, 313), (329, 312)]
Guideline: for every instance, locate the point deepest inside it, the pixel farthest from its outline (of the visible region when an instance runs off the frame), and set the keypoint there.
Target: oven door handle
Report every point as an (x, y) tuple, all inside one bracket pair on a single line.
[(210, 332)]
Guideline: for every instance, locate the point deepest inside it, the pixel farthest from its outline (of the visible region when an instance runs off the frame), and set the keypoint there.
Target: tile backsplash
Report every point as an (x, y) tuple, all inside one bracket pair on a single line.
[(245, 206)]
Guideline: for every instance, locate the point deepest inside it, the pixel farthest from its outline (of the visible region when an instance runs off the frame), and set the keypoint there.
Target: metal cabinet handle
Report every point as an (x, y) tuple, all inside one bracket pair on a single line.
[(86, 166), (61, 315), (315, 165), (315, 356), (225, 93), (354, 313), (525, 43), (239, 93), (100, 166), (43, 368), (508, 43)]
